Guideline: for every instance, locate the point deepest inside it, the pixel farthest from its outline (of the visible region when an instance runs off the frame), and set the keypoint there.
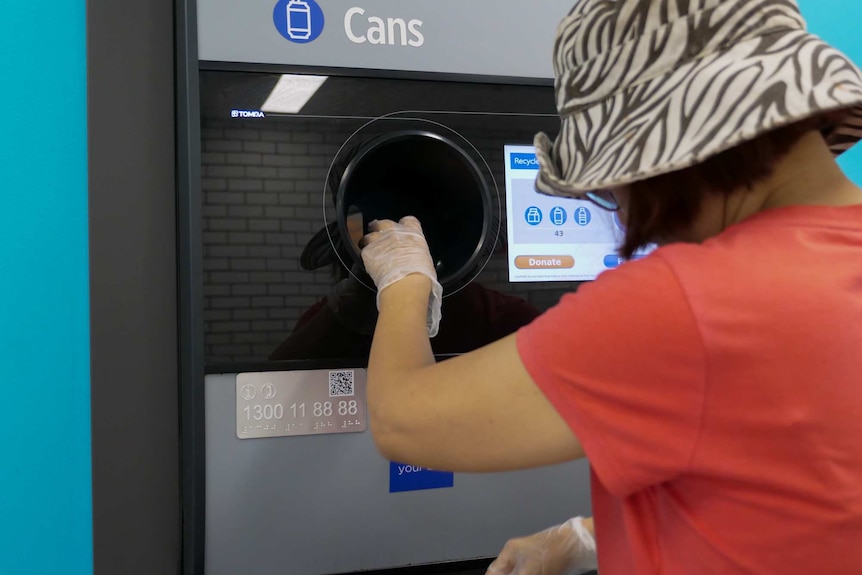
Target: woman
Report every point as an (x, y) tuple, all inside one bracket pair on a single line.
[(714, 385)]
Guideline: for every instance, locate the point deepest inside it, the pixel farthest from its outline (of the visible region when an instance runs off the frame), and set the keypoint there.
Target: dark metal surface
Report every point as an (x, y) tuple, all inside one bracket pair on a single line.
[(135, 421), (190, 293)]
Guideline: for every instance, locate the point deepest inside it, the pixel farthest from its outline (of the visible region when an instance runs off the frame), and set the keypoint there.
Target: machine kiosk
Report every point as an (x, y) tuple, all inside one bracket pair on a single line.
[(301, 122)]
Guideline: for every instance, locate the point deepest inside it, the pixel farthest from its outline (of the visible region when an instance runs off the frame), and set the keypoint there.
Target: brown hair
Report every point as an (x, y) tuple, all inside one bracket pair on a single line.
[(664, 205)]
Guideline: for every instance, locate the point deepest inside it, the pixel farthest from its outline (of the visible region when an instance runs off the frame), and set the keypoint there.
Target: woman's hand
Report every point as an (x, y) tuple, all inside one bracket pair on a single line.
[(393, 251), (563, 550)]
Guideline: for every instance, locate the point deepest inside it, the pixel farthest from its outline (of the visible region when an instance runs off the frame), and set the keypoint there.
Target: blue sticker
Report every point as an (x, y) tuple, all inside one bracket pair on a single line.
[(410, 478)]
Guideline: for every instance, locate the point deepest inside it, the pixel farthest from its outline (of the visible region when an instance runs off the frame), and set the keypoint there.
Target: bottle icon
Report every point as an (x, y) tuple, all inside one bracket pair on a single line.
[(298, 20), (583, 216)]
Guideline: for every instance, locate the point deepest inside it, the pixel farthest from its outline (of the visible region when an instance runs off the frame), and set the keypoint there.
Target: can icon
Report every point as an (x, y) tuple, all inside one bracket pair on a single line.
[(298, 20), (558, 216)]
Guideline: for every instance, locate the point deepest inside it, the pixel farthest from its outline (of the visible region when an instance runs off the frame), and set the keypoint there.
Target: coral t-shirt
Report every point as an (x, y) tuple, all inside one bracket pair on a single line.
[(717, 392)]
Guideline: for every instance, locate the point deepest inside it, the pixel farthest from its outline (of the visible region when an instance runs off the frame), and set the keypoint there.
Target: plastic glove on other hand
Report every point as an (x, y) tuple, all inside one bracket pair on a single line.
[(563, 550)]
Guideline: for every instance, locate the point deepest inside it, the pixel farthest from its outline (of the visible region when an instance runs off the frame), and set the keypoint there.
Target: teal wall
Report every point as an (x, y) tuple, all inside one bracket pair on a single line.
[(838, 22), (45, 476)]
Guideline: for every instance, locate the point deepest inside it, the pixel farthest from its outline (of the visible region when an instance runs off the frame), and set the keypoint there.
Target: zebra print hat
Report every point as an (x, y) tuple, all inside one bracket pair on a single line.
[(646, 87)]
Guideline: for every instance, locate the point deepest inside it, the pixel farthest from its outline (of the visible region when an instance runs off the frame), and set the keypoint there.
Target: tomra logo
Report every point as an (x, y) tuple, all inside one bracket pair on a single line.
[(300, 21)]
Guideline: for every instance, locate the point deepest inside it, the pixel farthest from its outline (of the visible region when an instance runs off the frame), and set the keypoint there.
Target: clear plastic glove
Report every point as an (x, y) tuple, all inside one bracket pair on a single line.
[(563, 550), (393, 251)]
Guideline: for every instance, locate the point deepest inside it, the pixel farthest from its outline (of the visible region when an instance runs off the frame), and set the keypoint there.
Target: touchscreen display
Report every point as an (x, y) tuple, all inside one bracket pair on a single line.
[(555, 239)]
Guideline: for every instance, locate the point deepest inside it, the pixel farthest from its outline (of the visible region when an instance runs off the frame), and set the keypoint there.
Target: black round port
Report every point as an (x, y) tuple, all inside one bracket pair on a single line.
[(421, 174)]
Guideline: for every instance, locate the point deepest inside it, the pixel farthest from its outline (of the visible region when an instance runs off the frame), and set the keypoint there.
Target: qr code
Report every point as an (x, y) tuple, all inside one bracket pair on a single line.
[(341, 384)]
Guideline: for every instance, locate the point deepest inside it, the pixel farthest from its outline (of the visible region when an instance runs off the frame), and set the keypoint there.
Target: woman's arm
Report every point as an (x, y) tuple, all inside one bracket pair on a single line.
[(479, 412)]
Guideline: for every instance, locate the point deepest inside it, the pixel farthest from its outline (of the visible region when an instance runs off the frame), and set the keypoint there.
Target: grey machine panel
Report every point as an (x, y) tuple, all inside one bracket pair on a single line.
[(320, 504), (480, 37)]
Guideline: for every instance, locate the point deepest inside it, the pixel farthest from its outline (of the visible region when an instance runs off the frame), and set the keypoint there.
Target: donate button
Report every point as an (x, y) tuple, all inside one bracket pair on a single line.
[(524, 162), (544, 262)]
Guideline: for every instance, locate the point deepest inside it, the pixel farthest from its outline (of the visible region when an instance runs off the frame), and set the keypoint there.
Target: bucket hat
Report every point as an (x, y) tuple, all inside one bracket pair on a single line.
[(647, 87)]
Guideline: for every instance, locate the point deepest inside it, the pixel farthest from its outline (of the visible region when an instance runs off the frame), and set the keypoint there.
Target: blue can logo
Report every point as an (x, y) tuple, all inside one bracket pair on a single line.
[(300, 21)]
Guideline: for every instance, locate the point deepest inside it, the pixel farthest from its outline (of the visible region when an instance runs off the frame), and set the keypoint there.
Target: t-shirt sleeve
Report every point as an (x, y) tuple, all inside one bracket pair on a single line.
[(624, 364)]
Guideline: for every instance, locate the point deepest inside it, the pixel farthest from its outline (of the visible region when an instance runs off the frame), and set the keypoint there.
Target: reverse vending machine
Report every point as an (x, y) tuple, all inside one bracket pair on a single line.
[(302, 121)]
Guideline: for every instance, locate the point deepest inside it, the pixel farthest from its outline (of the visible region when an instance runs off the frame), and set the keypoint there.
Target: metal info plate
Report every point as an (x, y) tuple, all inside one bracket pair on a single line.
[(287, 403)]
